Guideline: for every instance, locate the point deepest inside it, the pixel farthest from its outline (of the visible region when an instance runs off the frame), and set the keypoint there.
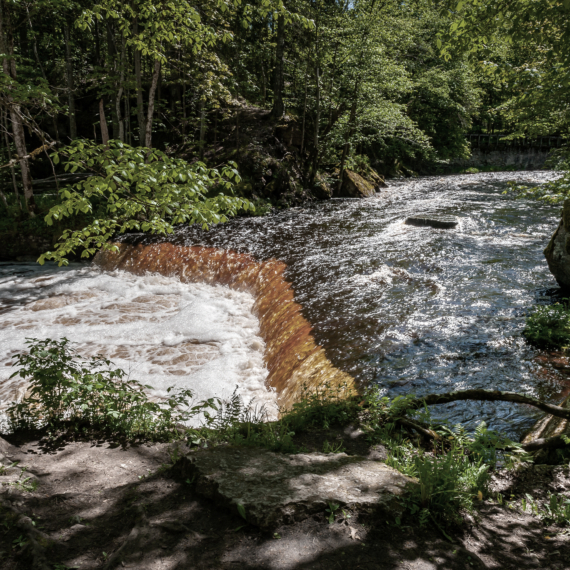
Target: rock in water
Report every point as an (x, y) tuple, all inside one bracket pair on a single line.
[(441, 223), (557, 252), (270, 489), (356, 186)]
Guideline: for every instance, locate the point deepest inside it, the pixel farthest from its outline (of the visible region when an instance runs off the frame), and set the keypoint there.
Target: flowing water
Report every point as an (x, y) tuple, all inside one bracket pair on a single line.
[(412, 310), (160, 331), (420, 310)]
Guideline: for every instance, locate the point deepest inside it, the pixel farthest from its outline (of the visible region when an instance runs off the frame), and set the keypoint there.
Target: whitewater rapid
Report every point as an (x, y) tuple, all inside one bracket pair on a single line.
[(162, 332)]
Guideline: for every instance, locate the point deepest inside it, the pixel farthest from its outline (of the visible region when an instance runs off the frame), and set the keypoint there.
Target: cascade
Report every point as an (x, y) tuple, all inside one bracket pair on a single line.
[(295, 362)]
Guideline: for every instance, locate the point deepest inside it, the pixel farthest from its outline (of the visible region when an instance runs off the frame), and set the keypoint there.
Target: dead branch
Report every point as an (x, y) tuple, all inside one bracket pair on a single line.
[(422, 430), (490, 396), (32, 155)]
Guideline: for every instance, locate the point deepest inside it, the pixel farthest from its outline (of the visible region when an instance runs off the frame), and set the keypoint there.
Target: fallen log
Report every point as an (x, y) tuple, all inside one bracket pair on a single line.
[(490, 396), (555, 442)]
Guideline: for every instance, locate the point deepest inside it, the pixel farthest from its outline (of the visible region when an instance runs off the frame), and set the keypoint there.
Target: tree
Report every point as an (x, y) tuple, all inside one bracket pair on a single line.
[(137, 189), (538, 32)]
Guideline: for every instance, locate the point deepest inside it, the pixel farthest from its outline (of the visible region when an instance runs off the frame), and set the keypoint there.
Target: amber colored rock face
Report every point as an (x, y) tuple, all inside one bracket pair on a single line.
[(294, 360)]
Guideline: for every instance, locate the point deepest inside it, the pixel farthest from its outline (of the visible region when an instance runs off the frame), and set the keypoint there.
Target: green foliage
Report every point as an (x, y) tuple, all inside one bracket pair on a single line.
[(553, 192), (68, 390), (556, 510), (238, 424), (453, 474), (139, 189), (323, 407), (331, 511), (548, 326)]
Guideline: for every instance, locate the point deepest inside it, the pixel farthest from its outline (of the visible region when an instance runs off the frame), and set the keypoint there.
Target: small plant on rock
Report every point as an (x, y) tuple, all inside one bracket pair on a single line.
[(549, 326)]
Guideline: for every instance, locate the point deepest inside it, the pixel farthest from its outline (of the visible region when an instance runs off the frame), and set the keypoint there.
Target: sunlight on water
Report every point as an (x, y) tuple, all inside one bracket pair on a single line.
[(420, 310), (409, 309)]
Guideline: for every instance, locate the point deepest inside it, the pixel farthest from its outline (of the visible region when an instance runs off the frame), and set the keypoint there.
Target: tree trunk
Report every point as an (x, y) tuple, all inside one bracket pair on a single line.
[(119, 97), (349, 134), (12, 171), (315, 164), (304, 111), (140, 101), (9, 68), (103, 122), (202, 127), (278, 107), (37, 57), (151, 96), (70, 84), (113, 65)]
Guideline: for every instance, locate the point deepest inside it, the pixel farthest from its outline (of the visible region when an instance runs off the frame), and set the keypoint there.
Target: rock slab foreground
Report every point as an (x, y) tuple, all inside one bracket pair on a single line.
[(270, 489)]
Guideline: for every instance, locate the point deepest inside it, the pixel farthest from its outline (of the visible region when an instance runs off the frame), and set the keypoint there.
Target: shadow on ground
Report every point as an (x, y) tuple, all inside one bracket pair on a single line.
[(97, 506)]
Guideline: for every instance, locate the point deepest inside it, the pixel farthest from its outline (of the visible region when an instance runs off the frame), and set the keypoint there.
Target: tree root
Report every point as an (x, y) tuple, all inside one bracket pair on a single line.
[(138, 533), (37, 542)]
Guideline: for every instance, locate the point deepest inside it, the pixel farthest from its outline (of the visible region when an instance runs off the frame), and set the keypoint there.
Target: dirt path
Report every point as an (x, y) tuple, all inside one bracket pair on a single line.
[(98, 506)]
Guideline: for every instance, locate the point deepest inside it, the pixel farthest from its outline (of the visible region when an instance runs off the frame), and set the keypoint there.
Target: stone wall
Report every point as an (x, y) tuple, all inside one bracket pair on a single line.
[(508, 158)]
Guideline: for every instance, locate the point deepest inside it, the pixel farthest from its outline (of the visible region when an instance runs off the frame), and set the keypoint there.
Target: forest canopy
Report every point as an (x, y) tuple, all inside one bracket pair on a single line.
[(294, 92)]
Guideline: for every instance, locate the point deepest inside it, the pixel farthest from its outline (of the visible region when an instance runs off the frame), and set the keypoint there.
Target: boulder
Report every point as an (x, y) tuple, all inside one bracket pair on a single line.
[(440, 222), (355, 186), (270, 489), (557, 251)]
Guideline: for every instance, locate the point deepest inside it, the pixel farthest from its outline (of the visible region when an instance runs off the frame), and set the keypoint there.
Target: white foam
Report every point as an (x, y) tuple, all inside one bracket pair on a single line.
[(161, 331)]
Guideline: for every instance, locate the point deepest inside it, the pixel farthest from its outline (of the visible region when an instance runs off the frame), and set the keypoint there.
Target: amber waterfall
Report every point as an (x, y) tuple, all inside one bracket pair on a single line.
[(296, 363)]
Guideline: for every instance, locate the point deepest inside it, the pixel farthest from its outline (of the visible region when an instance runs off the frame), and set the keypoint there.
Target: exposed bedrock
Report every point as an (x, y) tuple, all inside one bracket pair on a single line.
[(356, 186), (557, 251), (438, 222), (273, 489)]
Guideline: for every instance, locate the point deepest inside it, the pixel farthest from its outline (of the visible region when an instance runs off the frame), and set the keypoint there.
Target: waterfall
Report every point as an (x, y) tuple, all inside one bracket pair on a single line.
[(296, 363)]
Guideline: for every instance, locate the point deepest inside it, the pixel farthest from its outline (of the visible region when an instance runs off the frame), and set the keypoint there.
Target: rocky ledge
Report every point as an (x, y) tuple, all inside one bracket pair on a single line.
[(269, 489), (557, 251)]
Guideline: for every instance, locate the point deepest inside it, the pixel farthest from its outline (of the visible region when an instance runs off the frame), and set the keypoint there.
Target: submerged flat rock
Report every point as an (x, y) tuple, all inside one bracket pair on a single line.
[(275, 488), (439, 222)]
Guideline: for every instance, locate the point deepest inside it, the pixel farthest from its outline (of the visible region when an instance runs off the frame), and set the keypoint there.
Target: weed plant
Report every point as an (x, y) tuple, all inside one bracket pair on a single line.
[(68, 390), (549, 326), (452, 470)]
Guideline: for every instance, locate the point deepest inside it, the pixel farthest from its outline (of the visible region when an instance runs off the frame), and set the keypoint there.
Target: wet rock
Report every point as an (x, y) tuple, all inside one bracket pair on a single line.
[(355, 186), (441, 223), (557, 252), (275, 488)]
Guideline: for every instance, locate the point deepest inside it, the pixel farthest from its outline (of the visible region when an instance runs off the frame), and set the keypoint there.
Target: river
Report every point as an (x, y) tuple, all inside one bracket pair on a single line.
[(418, 310)]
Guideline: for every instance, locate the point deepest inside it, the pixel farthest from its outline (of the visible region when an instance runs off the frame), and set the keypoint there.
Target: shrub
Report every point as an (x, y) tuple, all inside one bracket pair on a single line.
[(136, 189), (549, 326), (66, 389)]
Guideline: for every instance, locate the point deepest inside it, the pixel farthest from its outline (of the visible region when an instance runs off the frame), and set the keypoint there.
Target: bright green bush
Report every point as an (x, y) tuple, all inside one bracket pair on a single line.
[(68, 390), (549, 326), (138, 189)]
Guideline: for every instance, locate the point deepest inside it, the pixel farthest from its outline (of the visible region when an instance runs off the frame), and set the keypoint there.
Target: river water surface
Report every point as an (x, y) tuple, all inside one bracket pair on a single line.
[(421, 310), (412, 310)]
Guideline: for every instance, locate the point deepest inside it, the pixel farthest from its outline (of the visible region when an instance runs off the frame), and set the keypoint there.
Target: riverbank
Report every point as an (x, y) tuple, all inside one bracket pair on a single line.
[(95, 505)]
